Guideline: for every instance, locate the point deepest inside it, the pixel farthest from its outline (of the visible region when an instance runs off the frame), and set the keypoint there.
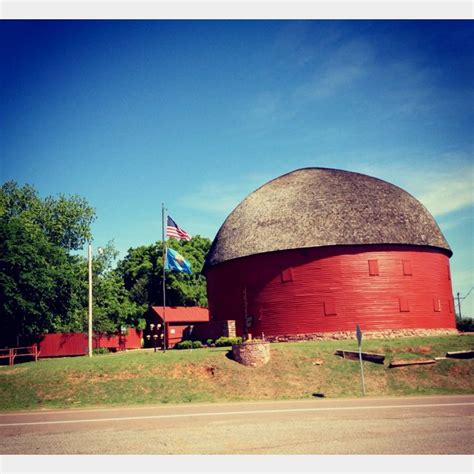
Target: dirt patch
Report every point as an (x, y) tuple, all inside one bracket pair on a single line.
[(462, 370), (15, 371), (79, 378), (419, 349), (191, 371)]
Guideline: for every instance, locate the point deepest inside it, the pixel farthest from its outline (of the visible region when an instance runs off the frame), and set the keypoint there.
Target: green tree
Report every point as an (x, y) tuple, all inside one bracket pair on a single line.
[(64, 221), (183, 289), (142, 273), (37, 281), (40, 289), (112, 307), (43, 287)]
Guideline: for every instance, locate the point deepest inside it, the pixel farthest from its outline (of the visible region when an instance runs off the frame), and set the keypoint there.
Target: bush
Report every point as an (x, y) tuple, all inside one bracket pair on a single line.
[(100, 350), (184, 345), (465, 324), (189, 345), (228, 341), (209, 342)]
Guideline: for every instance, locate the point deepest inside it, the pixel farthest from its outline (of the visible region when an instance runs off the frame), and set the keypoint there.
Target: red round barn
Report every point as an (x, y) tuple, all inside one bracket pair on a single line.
[(321, 250)]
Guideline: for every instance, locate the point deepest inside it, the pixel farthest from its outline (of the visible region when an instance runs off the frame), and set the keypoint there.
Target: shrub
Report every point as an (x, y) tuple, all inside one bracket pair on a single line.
[(100, 350), (189, 345), (209, 342), (228, 341), (184, 345), (465, 324)]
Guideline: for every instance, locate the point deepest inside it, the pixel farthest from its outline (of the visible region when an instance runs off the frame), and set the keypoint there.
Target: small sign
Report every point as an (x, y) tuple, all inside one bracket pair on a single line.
[(359, 340), (359, 335)]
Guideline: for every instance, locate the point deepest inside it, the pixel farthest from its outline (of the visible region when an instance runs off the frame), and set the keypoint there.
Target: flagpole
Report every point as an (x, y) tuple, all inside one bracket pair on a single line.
[(89, 331), (164, 273)]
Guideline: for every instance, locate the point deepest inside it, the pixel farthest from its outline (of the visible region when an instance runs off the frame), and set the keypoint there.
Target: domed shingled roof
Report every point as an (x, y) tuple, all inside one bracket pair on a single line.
[(317, 207)]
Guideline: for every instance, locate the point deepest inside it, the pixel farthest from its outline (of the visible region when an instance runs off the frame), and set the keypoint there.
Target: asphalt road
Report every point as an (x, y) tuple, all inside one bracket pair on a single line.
[(410, 425)]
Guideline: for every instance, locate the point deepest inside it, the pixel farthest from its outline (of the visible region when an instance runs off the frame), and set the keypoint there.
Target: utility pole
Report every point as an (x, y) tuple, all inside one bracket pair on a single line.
[(164, 274), (462, 298), (89, 254)]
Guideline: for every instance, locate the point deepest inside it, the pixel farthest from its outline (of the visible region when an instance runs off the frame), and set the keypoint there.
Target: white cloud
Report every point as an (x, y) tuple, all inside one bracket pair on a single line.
[(331, 73), (449, 195), (447, 187), (444, 183), (452, 220), (345, 65)]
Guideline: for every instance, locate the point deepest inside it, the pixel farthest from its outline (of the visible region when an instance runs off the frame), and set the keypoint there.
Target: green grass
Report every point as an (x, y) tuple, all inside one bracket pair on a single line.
[(207, 375)]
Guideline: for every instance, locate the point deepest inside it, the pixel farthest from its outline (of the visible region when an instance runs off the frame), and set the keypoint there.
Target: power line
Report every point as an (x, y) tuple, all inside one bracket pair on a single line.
[(459, 298), (469, 292)]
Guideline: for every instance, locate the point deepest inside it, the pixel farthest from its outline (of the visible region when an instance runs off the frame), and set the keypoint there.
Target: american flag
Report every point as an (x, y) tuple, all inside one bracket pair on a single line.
[(173, 230)]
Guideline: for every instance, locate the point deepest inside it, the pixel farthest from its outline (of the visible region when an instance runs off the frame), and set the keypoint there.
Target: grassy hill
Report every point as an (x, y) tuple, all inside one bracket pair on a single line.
[(207, 375)]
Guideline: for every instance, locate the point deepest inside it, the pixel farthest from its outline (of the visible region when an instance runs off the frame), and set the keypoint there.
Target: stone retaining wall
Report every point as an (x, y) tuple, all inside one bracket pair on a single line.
[(384, 334)]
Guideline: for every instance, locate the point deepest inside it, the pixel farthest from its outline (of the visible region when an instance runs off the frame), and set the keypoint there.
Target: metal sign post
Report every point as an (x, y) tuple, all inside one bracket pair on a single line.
[(359, 341)]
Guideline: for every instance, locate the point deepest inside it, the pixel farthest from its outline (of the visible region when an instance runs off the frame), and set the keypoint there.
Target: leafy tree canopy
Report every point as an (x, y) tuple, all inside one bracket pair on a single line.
[(40, 289), (44, 288), (64, 221), (142, 273), (112, 306), (37, 281)]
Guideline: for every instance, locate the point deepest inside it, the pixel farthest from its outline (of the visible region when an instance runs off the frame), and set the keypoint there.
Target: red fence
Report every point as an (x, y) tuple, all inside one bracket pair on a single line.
[(13, 352), (68, 344)]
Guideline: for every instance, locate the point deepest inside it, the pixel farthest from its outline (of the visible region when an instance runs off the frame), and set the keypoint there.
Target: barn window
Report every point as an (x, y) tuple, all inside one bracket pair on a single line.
[(407, 267), (287, 275), (329, 308), (404, 307), (437, 305), (373, 267)]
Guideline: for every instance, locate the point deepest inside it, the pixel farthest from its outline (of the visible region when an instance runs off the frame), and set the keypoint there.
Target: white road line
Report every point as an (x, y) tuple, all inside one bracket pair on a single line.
[(207, 404), (246, 412)]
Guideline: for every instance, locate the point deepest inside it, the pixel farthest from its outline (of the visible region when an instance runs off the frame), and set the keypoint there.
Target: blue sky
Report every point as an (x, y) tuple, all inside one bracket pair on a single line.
[(197, 114)]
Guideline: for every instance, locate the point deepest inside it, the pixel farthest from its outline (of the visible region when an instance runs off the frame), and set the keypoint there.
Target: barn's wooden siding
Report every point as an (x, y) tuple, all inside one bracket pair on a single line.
[(333, 289)]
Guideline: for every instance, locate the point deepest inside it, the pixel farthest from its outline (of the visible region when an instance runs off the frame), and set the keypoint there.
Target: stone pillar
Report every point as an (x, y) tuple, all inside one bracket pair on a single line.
[(230, 328)]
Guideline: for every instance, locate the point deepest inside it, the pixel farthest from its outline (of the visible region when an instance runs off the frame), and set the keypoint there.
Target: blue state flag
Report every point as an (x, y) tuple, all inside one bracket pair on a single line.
[(175, 261)]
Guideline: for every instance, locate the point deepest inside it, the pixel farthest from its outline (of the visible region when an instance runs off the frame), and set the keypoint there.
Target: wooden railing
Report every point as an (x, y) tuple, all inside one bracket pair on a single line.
[(13, 352)]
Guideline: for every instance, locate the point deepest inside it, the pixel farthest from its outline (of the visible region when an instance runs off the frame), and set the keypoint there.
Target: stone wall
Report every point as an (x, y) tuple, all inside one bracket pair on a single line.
[(253, 353), (384, 334)]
